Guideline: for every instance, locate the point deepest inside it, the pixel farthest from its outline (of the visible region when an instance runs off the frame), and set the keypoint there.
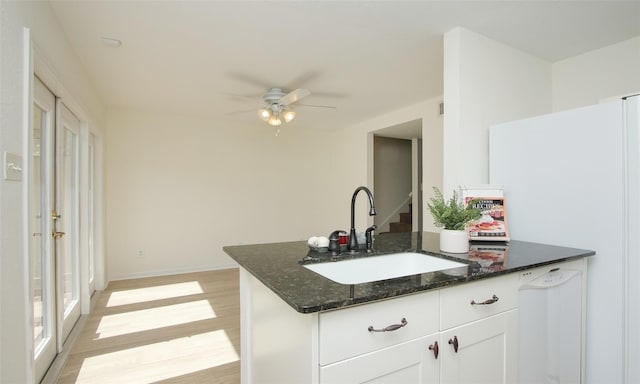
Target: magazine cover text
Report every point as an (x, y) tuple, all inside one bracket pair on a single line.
[(493, 223)]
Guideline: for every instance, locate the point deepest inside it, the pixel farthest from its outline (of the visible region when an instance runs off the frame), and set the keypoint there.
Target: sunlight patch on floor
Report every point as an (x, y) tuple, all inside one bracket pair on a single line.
[(154, 318), (148, 363), (141, 295)]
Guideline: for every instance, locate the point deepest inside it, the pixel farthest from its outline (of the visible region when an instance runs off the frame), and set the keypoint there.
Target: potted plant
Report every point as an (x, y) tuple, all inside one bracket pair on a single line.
[(452, 215)]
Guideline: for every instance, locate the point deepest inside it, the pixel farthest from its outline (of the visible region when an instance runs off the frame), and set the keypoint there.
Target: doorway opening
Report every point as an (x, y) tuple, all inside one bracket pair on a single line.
[(397, 177)]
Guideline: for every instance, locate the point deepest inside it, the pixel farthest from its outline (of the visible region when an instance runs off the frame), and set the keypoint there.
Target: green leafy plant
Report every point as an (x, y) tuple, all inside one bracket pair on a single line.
[(451, 214)]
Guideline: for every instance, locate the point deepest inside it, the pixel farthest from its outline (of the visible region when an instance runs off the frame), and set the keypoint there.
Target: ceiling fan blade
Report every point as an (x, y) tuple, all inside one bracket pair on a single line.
[(301, 79), (237, 97), (294, 96), (241, 112), (316, 106), (249, 79)]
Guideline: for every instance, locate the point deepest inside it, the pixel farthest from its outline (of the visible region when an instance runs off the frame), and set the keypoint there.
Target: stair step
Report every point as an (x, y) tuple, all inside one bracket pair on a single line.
[(405, 217), (400, 227)]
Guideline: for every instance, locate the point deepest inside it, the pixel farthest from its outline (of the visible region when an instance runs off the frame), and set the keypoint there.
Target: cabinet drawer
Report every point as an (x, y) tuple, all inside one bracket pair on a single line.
[(410, 362), (345, 333), (456, 306)]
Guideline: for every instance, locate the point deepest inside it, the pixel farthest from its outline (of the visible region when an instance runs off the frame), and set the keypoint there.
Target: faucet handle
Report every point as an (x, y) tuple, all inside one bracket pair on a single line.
[(334, 242)]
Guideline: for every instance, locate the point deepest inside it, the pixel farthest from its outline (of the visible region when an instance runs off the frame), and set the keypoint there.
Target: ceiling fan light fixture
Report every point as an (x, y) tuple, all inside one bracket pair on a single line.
[(288, 116), (264, 114), (274, 121)]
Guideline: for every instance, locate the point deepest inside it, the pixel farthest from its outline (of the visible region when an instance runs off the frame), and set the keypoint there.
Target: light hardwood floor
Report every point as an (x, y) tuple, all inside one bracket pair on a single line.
[(170, 329)]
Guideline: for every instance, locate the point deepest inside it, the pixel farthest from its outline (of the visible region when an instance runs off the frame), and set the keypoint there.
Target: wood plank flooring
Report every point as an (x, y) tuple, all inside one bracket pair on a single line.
[(170, 329)]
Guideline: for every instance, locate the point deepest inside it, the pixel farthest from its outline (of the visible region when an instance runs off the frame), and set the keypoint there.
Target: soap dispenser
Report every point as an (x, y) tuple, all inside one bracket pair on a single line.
[(369, 238)]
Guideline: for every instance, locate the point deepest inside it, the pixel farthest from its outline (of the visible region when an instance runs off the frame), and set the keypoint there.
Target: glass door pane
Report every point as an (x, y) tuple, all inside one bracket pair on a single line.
[(41, 164), (38, 281), (67, 220), (91, 213), (67, 223)]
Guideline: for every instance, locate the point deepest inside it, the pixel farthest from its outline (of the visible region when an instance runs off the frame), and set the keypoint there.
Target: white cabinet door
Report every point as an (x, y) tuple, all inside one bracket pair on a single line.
[(411, 362), (486, 351)]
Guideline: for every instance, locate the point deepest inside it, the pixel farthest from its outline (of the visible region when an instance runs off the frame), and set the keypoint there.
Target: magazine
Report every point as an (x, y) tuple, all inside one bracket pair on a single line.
[(492, 225)]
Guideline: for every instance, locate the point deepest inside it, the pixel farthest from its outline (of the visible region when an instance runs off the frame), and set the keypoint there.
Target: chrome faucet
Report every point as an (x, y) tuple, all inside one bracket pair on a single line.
[(353, 241)]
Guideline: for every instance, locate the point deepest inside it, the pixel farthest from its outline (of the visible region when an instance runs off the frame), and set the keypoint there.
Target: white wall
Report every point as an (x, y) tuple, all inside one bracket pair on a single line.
[(51, 46), (485, 82), (593, 76), (181, 188)]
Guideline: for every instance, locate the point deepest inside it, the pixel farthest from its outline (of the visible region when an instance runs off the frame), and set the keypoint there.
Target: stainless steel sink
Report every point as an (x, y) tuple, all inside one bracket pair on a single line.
[(375, 268)]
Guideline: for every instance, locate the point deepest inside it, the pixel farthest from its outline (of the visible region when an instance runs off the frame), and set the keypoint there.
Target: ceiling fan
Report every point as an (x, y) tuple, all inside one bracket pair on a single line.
[(277, 108)]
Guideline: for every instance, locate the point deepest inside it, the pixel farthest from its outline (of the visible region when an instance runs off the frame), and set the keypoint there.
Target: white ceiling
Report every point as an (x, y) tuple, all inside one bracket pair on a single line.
[(364, 57)]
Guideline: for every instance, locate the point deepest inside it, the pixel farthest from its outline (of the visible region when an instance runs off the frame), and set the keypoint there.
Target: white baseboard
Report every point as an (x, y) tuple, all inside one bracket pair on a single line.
[(167, 272)]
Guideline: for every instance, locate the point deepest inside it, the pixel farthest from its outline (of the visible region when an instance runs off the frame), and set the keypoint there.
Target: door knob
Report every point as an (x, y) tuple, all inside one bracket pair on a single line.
[(56, 235), (434, 347), (454, 343)]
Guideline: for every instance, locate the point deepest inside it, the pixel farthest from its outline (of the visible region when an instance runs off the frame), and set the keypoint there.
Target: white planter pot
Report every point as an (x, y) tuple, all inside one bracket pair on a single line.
[(454, 241)]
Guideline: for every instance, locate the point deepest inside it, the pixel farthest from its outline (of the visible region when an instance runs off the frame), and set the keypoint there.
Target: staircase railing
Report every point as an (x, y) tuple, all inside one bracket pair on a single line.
[(395, 213)]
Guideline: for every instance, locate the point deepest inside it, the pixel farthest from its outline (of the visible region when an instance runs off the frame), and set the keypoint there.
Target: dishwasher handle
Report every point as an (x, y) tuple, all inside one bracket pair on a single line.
[(553, 278)]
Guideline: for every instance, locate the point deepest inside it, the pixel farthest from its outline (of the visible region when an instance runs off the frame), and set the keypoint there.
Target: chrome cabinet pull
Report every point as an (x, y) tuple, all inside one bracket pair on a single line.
[(390, 328), (454, 342), (434, 347), (486, 302)]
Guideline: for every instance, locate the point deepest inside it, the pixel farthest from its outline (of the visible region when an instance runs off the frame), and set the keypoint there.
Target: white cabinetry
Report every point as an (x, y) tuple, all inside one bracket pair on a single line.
[(345, 333), (479, 332), (474, 326), (486, 351), (338, 347), (356, 348), (409, 362)]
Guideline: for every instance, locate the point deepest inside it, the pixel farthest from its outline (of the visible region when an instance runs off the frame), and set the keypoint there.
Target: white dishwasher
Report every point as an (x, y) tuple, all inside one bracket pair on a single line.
[(552, 324)]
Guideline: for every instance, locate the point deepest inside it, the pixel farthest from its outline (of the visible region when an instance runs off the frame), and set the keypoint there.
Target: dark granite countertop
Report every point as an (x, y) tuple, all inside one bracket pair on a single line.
[(279, 267)]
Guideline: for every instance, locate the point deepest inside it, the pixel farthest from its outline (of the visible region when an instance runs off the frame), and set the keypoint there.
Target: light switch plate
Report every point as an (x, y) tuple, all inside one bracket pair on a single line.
[(12, 166)]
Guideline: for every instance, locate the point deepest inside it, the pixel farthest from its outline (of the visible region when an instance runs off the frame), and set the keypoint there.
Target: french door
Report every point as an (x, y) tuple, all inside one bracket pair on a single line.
[(54, 225)]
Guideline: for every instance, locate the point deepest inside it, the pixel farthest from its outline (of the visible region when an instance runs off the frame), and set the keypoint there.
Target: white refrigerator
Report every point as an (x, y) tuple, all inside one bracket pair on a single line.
[(572, 178)]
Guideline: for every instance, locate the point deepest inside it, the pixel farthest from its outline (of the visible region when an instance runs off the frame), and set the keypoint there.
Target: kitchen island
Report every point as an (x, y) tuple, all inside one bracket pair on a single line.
[(298, 326)]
